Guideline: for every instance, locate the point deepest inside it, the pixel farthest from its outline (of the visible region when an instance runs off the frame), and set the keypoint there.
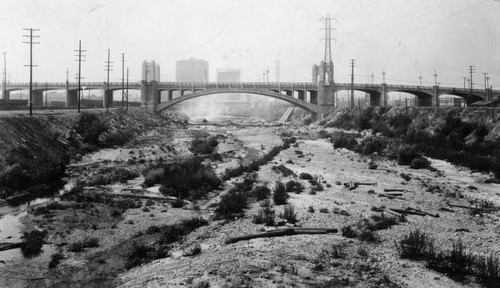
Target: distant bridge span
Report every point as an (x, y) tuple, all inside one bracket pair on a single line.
[(311, 96), (312, 108)]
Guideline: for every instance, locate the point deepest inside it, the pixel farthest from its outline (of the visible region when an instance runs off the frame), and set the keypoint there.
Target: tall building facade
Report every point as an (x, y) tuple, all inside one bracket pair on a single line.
[(150, 71), (228, 75), (191, 70)]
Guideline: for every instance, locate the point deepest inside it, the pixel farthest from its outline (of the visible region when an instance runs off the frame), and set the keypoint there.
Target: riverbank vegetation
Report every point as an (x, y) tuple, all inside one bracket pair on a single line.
[(408, 137)]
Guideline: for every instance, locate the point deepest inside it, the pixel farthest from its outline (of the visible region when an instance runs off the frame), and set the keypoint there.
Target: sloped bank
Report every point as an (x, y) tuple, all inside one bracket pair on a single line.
[(35, 150)]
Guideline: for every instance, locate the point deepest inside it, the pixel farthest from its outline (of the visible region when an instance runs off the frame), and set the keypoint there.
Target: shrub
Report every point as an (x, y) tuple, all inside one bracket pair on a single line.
[(310, 209), (193, 223), (265, 216), (294, 186), (55, 259), (367, 235), (265, 203), (201, 146), (305, 176), (324, 210), (282, 169), (192, 251), (141, 254), (178, 203), (327, 257), (116, 138), (191, 175), (107, 176), (341, 139), (261, 192), (420, 163), (90, 127), (371, 145), (78, 246), (289, 214), (33, 242), (153, 176), (406, 154), (348, 232), (416, 245), (231, 204), (280, 196)]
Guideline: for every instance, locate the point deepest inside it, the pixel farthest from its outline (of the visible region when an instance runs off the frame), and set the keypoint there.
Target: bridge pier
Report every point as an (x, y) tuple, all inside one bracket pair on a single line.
[(383, 95), (435, 96), (5, 95), (71, 98), (107, 99), (302, 95), (37, 98), (325, 97), (150, 96)]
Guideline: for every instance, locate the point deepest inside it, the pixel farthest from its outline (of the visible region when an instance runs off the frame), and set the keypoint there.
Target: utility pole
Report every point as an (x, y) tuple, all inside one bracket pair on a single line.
[(352, 83), (46, 94), (278, 71), (4, 90), (471, 70), (267, 73), (67, 73), (372, 77), (80, 51), (127, 89), (465, 80), (31, 36), (383, 76), (123, 79), (420, 77), (435, 78), (485, 84), (108, 68)]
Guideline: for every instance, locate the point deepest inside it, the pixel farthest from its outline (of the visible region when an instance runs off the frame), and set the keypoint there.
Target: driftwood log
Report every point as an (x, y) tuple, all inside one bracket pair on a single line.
[(9, 246), (282, 232), (393, 190)]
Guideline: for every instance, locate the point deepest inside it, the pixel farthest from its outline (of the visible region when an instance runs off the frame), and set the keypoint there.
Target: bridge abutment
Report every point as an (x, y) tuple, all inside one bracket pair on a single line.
[(150, 96), (71, 98), (37, 98)]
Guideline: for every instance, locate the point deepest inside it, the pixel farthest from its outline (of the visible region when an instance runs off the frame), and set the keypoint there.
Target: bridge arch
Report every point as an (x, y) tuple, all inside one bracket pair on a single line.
[(422, 99), (313, 109)]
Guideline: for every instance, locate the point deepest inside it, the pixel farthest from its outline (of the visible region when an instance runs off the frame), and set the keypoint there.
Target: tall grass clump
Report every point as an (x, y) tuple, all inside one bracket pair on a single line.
[(280, 196), (416, 245), (289, 214)]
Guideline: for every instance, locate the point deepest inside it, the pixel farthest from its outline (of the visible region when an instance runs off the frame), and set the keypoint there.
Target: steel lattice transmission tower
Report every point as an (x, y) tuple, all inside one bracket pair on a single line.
[(328, 62)]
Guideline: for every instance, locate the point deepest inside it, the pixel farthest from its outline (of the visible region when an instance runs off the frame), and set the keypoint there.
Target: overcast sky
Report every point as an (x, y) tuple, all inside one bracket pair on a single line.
[(406, 37)]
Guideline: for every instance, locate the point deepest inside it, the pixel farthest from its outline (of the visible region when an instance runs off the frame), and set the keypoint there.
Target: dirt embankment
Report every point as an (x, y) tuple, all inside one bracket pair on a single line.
[(36, 149)]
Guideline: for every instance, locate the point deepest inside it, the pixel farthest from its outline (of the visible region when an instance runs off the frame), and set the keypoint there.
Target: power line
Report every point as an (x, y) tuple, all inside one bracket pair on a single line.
[(31, 36)]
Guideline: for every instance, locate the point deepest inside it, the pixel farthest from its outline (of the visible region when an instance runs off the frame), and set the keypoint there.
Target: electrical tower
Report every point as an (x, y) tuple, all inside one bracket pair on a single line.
[(435, 78), (352, 83), (31, 36), (79, 60), (108, 67), (328, 62)]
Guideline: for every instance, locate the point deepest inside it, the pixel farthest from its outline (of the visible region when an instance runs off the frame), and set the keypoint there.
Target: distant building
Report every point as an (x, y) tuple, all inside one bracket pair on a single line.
[(150, 71), (191, 70), (228, 75)]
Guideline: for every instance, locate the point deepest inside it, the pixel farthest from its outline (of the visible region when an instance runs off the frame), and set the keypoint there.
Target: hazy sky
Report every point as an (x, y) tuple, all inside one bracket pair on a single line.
[(406, 37)]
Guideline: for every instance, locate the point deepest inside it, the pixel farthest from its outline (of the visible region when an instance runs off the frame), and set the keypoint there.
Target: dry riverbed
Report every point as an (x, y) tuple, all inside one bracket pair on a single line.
[(289, 261)]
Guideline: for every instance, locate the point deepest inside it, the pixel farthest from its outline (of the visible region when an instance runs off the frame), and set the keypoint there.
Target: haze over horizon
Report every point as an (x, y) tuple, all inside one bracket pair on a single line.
[(406, 38)]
